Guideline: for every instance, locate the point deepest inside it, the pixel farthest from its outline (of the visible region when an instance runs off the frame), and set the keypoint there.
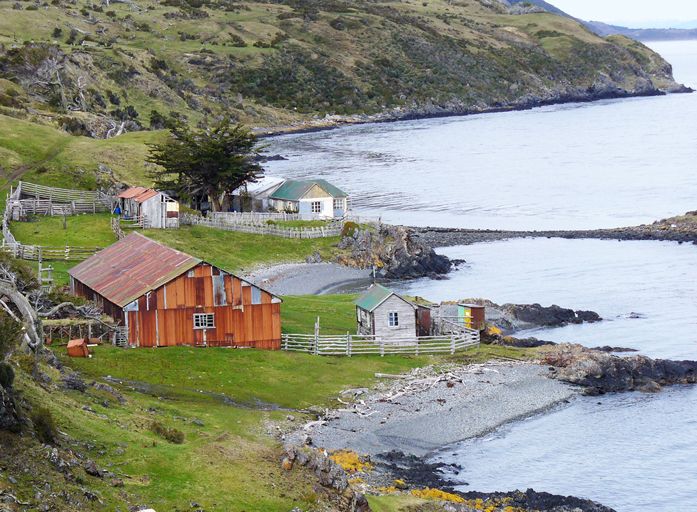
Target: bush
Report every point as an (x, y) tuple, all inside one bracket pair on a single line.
[(7, 375), (349, 229), (44, 425), (170, 434), (237, 41)]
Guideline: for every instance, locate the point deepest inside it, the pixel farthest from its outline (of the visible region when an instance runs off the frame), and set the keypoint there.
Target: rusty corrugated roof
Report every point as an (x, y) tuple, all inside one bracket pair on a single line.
[(132, 267), (131, 192), (145, 195)]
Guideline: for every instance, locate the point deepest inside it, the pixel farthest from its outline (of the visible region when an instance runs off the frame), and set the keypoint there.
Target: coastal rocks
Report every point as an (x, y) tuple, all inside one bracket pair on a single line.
[(681, 229), (331, 477), (602, 372), (516, 317), (394, 251)]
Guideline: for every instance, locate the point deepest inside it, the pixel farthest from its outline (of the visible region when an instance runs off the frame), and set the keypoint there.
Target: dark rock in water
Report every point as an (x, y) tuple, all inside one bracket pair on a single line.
[(270, 158), (517, 317), (602, 372), (420, 474), (511, 341), (540, 501), (607, 348), (550, 316)]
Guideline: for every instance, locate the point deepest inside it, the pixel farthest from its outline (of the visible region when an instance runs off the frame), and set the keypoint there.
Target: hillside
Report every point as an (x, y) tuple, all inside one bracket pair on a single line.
[(605, 29), (102, 69)]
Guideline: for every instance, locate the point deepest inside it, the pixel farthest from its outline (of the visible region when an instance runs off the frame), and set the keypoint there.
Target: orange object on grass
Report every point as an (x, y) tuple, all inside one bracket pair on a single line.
[(78, 348)]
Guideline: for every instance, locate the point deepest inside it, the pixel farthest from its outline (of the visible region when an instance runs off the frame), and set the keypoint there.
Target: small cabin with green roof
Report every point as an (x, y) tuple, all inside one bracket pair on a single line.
[(311, 199), (382, 313)]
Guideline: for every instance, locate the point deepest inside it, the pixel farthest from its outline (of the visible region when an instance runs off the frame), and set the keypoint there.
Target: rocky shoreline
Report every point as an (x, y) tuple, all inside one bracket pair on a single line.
[(681, 229), (331, 122), (396, 426)]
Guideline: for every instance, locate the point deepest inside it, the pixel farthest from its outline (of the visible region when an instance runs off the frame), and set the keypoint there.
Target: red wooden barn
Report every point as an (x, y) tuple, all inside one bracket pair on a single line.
[(165, 297)]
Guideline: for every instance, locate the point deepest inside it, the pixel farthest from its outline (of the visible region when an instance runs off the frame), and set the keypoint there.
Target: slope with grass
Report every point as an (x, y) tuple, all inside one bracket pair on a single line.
[(92, 70), (233, 251)]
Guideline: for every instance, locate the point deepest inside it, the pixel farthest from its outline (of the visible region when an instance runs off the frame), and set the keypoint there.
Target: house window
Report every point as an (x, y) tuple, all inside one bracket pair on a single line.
[(338, 204), (316, 206), (204, 321), (393, 319)]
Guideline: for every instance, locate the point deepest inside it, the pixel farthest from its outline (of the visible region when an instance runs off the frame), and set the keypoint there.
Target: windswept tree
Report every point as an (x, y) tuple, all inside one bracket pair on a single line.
[(214, 161)]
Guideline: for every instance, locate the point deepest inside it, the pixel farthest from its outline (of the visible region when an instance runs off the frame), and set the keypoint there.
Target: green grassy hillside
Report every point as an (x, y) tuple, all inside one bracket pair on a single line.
[(87, 69)]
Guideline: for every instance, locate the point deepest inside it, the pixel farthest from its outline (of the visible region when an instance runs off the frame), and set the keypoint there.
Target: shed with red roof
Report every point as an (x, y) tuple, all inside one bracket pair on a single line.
[(149, 208), (164, 297)]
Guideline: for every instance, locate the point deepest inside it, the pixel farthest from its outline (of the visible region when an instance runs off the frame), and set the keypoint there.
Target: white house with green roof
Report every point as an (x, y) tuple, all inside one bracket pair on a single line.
[(312, 199), (382, 313)]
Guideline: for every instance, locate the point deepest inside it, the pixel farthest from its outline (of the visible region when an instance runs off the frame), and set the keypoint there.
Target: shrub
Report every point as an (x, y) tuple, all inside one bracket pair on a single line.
[(237, 41), (57, 32), (349, 229), (44, 425), (7, 375), (170, 434), (10, 334)]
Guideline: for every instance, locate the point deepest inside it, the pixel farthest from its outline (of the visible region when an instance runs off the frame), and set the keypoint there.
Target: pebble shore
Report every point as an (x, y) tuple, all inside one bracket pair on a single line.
[(481, 399)]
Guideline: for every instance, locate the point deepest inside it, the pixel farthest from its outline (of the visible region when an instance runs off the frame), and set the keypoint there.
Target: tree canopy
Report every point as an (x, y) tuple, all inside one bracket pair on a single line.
[(214, 161)]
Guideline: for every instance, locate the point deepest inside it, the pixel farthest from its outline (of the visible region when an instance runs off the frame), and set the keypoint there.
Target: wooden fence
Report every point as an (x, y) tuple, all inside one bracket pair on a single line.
[(37, 252), (30, 198), (350, 345), (251, 217), (332, 229)]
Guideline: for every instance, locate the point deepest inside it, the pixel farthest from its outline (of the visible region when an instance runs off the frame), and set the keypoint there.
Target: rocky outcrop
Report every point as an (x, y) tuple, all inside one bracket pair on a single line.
[(394, 251), (516, 317), (330, 476), (601, 372)]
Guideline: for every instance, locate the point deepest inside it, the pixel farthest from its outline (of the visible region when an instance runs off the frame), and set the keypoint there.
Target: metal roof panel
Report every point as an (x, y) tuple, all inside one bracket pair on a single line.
[(132, 267)]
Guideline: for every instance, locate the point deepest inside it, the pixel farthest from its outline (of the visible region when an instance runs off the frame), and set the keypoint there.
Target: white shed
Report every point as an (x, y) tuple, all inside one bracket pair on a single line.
[(381, 312), (150, 208)]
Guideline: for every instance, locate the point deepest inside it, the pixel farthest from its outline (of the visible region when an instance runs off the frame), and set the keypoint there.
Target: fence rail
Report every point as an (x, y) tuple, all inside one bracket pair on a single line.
[(37, 252), (251, 217), (30, 198), (350, 345), (332, 229)]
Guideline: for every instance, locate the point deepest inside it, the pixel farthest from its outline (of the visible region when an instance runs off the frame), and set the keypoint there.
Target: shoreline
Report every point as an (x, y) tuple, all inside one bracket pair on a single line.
[(465, 402), (333, 122), (682, 229), (308, 278)]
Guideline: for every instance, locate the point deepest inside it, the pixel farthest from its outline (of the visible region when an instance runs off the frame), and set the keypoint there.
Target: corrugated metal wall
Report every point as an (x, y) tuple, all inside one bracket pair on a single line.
[(245, 316)]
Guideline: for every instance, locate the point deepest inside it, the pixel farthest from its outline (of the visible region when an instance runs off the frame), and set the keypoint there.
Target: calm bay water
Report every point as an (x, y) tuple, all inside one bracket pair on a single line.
[(605, 164), (575, 166)]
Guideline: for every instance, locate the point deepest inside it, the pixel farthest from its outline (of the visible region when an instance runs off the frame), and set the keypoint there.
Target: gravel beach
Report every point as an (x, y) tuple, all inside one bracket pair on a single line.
[(308, 278), (480, 399)]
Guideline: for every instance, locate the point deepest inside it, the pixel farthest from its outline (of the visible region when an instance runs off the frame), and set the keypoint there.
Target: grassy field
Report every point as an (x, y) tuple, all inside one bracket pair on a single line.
[(88, 230), (235, 252), (242, 251)]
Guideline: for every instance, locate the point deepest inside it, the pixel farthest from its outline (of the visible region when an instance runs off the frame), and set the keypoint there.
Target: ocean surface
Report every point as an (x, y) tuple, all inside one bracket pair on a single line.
[(604, 164), (591, 165)]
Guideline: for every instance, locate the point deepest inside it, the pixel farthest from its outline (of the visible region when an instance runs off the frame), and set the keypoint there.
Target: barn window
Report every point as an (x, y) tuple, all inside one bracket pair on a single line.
[(393, 319), (190, 273), (338, 204), (204, 321), (316, 206)]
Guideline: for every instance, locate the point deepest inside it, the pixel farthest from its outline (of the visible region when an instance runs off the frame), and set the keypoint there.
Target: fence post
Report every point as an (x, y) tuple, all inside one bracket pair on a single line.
[(348, 344), (382, 348), (452, 343)]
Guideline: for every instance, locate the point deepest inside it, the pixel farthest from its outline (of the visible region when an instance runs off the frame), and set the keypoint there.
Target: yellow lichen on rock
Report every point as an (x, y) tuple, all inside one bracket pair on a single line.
[(351, 462), (437, 494)]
